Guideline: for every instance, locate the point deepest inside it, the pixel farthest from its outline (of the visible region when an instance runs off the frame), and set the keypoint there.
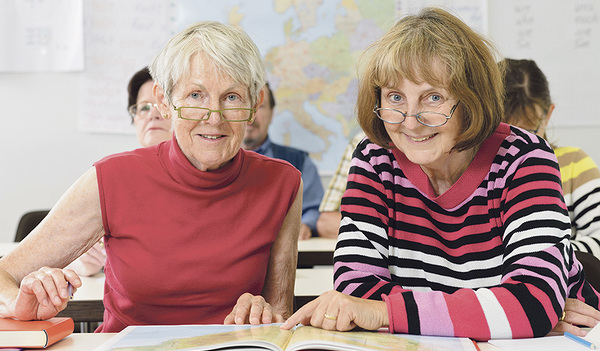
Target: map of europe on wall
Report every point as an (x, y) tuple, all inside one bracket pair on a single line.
[(311, 51)]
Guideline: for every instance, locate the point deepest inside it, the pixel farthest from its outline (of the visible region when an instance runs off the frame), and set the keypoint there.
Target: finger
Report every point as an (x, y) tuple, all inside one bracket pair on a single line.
[(277, 318), (31, 285), (582, 308), (579, 319), (230, 319), (267, 314), (256, 310), (562, 327), (61, 283), (72, 277), (302, 316), (242, 308), (49, 282), (330, 319), (344, 321)]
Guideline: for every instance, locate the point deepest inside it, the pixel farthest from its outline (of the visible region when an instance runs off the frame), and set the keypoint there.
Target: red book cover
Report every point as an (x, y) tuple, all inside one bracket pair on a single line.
[(15, 333)]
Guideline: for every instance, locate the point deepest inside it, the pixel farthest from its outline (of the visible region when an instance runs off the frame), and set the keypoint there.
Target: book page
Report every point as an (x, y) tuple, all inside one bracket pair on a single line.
[(198, 337), (306, 337)]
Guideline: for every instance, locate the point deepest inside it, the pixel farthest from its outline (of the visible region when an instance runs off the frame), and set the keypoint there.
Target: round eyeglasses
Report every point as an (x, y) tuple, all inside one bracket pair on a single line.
[(140, 109), (238, 114), (426, 118)]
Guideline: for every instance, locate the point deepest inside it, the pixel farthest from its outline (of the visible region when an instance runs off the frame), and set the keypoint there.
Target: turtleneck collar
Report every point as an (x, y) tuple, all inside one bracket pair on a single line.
[(183, 172)]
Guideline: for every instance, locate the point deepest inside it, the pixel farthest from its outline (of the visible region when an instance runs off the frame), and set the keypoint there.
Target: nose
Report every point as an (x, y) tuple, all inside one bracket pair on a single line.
[(214, 117), (410, 120), (155, 113)]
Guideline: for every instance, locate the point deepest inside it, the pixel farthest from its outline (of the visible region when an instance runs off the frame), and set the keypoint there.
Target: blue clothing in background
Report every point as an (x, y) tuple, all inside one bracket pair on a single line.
[(313, 189)]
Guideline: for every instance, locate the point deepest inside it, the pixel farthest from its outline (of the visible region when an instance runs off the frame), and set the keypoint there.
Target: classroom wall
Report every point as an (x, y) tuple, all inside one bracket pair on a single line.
[(43, 151)]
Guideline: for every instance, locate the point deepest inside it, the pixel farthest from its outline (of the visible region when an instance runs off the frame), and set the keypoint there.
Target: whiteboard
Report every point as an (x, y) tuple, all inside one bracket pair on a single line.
[(563, 37)]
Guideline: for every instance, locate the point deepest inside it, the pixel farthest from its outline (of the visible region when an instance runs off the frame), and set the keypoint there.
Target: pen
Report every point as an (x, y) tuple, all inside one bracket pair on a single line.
[(70, 287), (580, 340)]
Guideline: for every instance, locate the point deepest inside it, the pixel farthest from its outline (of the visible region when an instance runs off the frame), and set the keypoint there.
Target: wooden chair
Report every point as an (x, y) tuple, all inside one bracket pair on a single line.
[(29, 221)]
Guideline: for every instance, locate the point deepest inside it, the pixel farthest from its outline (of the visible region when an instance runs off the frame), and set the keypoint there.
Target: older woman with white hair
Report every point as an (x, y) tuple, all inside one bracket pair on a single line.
[(185, 239)]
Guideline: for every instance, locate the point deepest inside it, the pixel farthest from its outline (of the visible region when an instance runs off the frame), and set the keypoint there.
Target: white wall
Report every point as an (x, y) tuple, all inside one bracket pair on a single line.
[(41, 151)]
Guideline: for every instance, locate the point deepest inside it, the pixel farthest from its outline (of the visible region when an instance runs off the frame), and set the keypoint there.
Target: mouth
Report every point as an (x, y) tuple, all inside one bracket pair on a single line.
[(211, 136), (418, 140)]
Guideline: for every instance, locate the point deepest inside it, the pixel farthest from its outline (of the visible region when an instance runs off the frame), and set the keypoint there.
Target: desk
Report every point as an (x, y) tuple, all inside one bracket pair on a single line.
[(89, 341), (87, 305), (79, 342), (315, 252)]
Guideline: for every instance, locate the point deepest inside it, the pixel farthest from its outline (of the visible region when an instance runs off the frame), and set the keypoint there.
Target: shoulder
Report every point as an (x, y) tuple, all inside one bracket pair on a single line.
[(570, 153), (519, 143), (128, 156)]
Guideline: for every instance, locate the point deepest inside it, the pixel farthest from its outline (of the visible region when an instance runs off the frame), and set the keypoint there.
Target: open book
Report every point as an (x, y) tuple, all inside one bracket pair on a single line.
[(270, 338)]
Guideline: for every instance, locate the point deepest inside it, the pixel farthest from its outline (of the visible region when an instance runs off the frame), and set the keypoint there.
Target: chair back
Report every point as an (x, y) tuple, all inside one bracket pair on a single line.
[(29, 221), (591, 268)]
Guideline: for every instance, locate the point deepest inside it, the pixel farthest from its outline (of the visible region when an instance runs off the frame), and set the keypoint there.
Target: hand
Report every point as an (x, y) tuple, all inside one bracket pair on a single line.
[(577, 313), (44, 293), (336, 311), (252, 309), (305, 232), (90, 262)]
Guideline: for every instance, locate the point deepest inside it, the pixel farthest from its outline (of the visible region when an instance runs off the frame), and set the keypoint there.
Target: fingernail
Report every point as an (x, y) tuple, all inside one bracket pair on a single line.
[(284, 325)]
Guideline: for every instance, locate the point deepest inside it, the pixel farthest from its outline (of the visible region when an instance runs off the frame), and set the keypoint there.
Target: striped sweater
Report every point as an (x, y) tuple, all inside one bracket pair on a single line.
[(581, 188), (489, 258)]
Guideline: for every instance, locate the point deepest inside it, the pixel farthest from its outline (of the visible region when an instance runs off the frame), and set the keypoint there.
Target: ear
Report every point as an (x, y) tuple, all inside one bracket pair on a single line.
[(162, 103), (547, 116), (259, 101)]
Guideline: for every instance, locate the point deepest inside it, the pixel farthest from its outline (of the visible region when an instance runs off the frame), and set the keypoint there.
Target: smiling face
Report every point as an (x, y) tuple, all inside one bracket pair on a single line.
[(212, 143), (151, 128), (426, 146)]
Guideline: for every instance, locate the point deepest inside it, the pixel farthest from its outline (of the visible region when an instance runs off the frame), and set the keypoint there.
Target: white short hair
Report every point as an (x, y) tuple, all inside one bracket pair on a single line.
[(228, 47)]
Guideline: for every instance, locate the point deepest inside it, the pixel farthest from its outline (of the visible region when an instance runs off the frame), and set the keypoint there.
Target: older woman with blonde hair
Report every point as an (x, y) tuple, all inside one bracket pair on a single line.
[(453, 223), (185, 240)]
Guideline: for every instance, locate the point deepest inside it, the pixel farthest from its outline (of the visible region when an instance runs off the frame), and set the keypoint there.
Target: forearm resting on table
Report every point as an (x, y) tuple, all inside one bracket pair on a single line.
[(9, 288)]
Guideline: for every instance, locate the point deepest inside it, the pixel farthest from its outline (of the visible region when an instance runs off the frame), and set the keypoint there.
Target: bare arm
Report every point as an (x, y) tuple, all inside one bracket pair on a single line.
[(70, 229), (277, 300), (281, 274)]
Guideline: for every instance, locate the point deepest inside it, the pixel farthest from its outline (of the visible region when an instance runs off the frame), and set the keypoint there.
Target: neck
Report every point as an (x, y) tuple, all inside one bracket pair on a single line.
[(444, 177)]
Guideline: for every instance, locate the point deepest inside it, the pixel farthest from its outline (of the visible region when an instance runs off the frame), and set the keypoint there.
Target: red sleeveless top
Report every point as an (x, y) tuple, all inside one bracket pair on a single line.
[(183, 244)]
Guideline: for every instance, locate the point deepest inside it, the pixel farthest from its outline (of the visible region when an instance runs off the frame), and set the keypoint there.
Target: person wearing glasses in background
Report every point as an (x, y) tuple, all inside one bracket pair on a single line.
[(151, 128), (257, 139), (453, 223), (186, 242)]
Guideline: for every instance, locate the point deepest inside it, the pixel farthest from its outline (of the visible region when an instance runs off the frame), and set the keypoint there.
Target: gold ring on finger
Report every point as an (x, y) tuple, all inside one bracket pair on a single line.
[(328, 316), (562, 318)]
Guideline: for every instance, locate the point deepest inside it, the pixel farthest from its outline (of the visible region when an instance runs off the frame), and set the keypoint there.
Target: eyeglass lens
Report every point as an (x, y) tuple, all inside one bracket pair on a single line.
[(200, 114)]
